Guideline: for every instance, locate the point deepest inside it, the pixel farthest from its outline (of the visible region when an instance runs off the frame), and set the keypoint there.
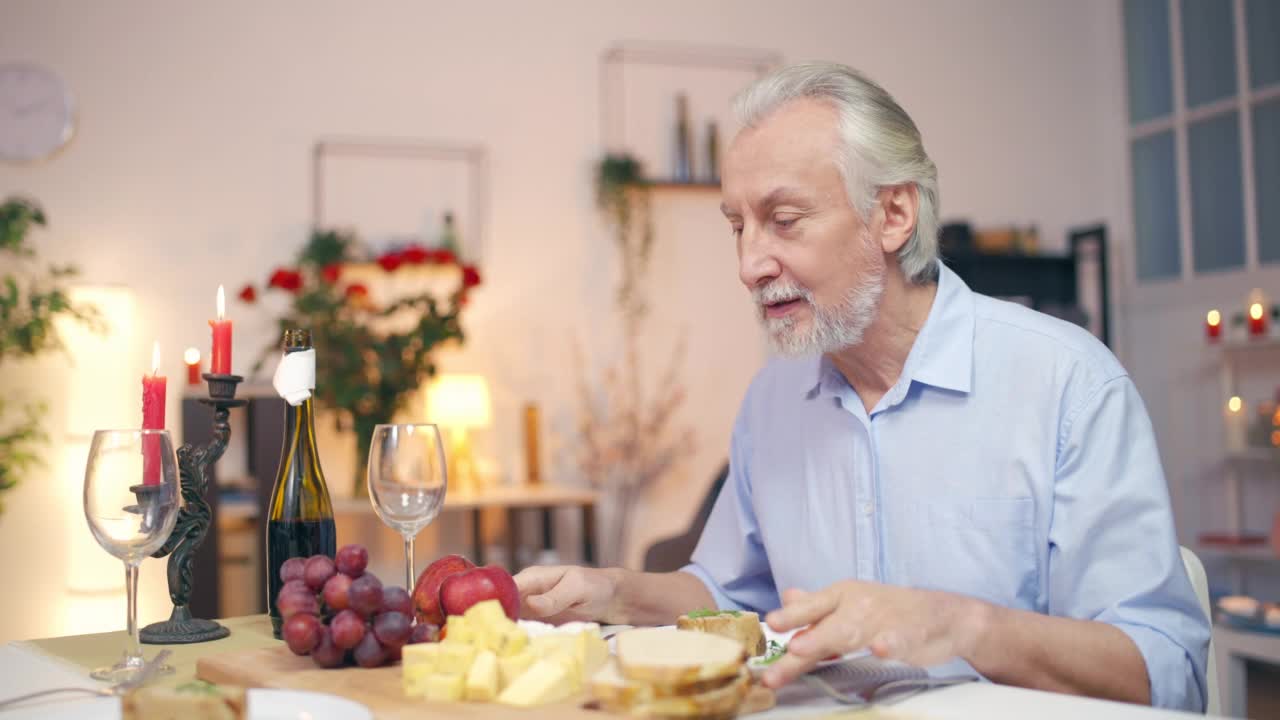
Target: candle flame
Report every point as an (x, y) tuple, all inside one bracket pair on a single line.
[(1215, 318), (1255, 311), (222, 303), (191, 356), (155, 358), (1235, 403)]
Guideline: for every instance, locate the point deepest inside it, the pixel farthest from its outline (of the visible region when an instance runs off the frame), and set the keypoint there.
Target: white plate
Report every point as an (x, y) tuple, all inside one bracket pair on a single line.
[(263, 705), (757, 669)]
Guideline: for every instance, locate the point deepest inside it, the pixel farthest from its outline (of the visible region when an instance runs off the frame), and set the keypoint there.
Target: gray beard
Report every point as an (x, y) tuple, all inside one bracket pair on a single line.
[(833, 328)]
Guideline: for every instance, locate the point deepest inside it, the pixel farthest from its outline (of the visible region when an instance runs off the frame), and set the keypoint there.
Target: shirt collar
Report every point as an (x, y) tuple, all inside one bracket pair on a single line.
[(942, 355)]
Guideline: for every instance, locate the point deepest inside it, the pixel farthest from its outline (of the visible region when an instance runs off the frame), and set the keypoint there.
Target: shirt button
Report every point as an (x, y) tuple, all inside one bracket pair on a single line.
[(867, 508)]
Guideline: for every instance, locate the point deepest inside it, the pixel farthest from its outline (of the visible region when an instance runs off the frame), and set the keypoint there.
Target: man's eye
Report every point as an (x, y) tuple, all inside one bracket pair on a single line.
[(784, 222), (735, 230)]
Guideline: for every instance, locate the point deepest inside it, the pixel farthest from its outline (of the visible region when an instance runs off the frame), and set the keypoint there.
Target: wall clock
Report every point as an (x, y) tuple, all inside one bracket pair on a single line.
[(37, 115)]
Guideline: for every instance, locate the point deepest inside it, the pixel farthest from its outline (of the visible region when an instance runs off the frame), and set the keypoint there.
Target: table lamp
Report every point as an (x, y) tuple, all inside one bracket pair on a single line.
[(459, 403)]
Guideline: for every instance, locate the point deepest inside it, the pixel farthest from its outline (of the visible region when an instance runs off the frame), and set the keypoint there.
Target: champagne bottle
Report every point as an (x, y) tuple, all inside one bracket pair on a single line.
[(300, 516)]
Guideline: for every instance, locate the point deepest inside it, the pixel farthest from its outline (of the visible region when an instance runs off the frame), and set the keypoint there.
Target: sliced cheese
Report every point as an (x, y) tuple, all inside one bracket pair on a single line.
[(482, 679), (546, 681)]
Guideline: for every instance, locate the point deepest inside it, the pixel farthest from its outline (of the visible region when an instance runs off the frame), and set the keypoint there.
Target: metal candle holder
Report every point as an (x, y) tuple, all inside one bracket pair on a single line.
[(193, 521)]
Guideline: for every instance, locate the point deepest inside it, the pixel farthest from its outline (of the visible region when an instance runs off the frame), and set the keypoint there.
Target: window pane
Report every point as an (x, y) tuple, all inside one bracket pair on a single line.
[(1155, 207), (1217, 200), (1146, 35), (1266, 172), (1209, 54), (1262, 18)]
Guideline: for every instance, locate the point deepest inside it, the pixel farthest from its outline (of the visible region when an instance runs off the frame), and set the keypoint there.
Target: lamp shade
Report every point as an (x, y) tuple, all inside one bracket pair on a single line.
[(460, 401)]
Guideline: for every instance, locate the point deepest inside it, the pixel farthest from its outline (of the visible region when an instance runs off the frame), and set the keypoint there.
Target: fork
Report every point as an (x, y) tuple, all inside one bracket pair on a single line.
[(858, 702), (148, 670)]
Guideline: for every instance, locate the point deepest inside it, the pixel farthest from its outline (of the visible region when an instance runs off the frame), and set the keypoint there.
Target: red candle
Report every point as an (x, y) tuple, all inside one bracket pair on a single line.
[(220, 356), (153, 387), (1257, 319), (1213, 325), (192, 358)]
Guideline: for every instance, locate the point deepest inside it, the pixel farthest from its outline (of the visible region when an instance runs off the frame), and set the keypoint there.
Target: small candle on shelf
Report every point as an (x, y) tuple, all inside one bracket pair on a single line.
[(1213, 325), (153, 391), (1256, 313), (1236, 420), (1257, 320), (192, 358), (220, 355)]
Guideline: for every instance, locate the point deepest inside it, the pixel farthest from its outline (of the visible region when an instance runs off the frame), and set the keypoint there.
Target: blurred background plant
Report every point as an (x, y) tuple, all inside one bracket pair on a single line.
[(32, 299)]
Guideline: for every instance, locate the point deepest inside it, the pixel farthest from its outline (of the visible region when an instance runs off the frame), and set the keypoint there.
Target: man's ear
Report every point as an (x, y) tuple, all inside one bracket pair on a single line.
[(899, 205)]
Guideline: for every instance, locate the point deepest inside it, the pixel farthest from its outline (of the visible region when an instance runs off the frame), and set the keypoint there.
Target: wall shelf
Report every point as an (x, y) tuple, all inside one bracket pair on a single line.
[(1248, 345), (685, 186)]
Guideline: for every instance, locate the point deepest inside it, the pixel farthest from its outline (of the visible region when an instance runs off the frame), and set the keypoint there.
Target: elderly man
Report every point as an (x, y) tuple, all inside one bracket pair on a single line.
[(930, 473)]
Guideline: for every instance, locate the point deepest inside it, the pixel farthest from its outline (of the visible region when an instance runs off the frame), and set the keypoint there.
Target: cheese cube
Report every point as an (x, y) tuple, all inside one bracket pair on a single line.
[(488, 613), (413, 678), (545, 682), (455, 658), (459, 630), (444, 687), (482, 680), (510, 642), (420, 654), (549, 645), (512, 667), (592, 651)]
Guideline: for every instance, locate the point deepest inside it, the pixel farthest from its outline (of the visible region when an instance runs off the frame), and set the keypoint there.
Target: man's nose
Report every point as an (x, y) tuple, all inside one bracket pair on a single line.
[(756, 262)]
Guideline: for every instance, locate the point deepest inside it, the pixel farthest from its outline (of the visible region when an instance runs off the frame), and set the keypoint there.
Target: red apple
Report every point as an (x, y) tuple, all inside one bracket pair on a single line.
[(426, 591), (462, 590)]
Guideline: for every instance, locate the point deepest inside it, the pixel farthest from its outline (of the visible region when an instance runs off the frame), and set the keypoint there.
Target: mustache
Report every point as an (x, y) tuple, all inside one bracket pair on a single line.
[(780, 291)]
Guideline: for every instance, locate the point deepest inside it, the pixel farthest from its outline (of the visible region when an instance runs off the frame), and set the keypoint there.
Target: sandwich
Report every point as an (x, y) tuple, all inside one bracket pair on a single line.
[(672, 673), (196, 700), (738, 625)]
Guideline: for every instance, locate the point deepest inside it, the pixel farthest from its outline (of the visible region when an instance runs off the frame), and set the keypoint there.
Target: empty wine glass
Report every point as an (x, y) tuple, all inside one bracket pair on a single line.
[(131, 503), (407, 481)]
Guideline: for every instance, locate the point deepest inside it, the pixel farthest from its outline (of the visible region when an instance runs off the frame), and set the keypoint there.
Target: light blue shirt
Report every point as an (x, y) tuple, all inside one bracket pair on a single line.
[(1012, 461)]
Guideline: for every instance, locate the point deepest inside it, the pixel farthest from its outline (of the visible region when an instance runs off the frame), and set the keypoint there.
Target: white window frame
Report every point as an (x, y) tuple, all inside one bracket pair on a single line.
[(1245, 99)]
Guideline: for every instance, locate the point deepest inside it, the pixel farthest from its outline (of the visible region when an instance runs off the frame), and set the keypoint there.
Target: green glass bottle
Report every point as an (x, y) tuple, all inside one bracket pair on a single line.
[(300, 516)]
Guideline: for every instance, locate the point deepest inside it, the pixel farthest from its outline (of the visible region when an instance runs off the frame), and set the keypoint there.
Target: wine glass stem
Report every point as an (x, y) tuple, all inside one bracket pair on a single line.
[(408, 563), (131, 585)]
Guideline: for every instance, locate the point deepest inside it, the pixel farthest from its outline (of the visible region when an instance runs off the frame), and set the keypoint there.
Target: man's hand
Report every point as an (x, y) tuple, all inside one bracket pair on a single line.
[(920, 627), (565, 593)]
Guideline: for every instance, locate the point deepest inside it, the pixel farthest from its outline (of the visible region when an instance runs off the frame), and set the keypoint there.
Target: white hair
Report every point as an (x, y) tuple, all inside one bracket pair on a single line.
[(881, 146)]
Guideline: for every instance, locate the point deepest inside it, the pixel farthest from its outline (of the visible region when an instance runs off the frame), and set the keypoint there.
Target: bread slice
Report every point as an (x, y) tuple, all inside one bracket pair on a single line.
[(722, 702), (189, 701), (611, 689), (669, 658), (740, 625)]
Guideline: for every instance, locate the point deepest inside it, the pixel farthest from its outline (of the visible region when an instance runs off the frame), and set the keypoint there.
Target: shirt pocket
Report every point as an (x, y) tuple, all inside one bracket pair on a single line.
[(981, 547)]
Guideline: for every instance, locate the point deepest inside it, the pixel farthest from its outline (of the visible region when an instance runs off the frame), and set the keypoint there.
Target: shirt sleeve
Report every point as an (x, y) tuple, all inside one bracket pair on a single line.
[(1113, 553), (730, 558)]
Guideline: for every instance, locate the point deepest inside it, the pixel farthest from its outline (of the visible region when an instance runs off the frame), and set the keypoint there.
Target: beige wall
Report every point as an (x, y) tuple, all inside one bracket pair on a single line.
[(191, 168)]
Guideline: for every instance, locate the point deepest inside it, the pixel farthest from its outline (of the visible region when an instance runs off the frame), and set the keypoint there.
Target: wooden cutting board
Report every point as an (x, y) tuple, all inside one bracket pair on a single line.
[(380, 689)]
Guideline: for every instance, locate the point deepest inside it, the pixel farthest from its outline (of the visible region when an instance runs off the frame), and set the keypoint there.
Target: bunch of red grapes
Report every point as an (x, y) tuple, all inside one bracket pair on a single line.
[(339, 614)]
